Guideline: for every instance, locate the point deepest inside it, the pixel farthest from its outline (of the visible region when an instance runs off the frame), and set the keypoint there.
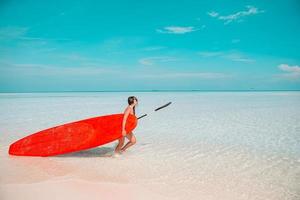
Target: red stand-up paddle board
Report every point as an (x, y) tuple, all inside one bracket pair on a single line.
[(75, 136)]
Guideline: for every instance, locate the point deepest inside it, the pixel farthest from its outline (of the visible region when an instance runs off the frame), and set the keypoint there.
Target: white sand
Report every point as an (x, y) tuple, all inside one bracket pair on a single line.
[(75, 190), (222, 146)]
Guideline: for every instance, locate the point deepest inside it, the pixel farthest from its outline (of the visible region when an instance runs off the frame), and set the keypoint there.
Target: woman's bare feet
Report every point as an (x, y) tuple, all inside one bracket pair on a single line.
[(122, 151), (117, 151)]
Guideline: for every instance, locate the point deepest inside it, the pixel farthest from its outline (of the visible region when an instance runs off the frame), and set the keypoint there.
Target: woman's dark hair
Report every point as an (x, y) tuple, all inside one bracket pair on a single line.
[(131, 101)]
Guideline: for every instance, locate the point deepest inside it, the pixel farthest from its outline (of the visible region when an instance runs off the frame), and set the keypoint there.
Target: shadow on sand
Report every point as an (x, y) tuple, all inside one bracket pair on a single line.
[(95, 152)]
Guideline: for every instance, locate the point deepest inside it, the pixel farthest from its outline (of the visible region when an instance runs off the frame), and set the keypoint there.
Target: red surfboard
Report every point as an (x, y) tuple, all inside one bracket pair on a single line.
[(75, 136)]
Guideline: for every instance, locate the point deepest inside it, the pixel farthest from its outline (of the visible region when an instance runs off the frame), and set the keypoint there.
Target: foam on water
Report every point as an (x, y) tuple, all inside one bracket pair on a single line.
[(210, 145)]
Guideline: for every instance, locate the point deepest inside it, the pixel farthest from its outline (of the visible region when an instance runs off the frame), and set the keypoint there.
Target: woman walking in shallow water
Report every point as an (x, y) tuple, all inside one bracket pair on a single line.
[(132, 102)]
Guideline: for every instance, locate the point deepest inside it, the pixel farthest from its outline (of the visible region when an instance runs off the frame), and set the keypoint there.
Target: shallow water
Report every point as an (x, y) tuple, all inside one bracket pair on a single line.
[(210, 145)]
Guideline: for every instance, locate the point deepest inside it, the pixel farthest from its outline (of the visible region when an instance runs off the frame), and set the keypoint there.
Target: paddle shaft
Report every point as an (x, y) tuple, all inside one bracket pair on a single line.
[(163, 106)]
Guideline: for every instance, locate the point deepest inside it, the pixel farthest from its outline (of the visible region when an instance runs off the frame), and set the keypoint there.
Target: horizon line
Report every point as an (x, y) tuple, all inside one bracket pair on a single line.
[(191, 90)]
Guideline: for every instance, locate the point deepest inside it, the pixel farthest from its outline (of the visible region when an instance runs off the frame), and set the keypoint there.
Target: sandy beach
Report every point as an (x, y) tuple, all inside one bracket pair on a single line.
[(223, 145)]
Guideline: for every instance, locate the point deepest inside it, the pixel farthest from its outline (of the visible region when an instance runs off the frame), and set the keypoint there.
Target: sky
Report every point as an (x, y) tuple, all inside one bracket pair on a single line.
[(114, 45)]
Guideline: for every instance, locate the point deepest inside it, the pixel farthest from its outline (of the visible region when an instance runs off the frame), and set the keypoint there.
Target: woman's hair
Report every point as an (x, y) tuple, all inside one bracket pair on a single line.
[(131, 101)]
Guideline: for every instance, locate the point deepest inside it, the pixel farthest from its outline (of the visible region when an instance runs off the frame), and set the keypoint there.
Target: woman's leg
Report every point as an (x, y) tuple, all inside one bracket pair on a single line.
[(132, 141), (119, 146)]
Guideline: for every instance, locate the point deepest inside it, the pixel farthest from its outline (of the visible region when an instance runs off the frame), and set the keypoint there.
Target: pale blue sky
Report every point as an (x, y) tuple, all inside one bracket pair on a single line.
[(145, 45)]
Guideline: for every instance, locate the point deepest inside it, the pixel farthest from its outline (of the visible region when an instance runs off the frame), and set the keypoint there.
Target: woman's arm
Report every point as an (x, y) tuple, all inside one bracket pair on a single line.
[(126, 113)]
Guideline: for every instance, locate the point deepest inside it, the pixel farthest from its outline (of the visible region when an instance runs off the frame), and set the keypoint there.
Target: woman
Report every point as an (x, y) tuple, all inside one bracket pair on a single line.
[(132, 102)]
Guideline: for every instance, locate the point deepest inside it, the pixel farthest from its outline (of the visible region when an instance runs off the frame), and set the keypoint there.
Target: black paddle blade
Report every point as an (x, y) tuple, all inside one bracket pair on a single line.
[(163, 106)]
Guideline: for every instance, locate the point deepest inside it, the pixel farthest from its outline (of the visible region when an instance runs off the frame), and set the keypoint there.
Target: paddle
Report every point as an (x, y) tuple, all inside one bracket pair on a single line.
[(156, 109)]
